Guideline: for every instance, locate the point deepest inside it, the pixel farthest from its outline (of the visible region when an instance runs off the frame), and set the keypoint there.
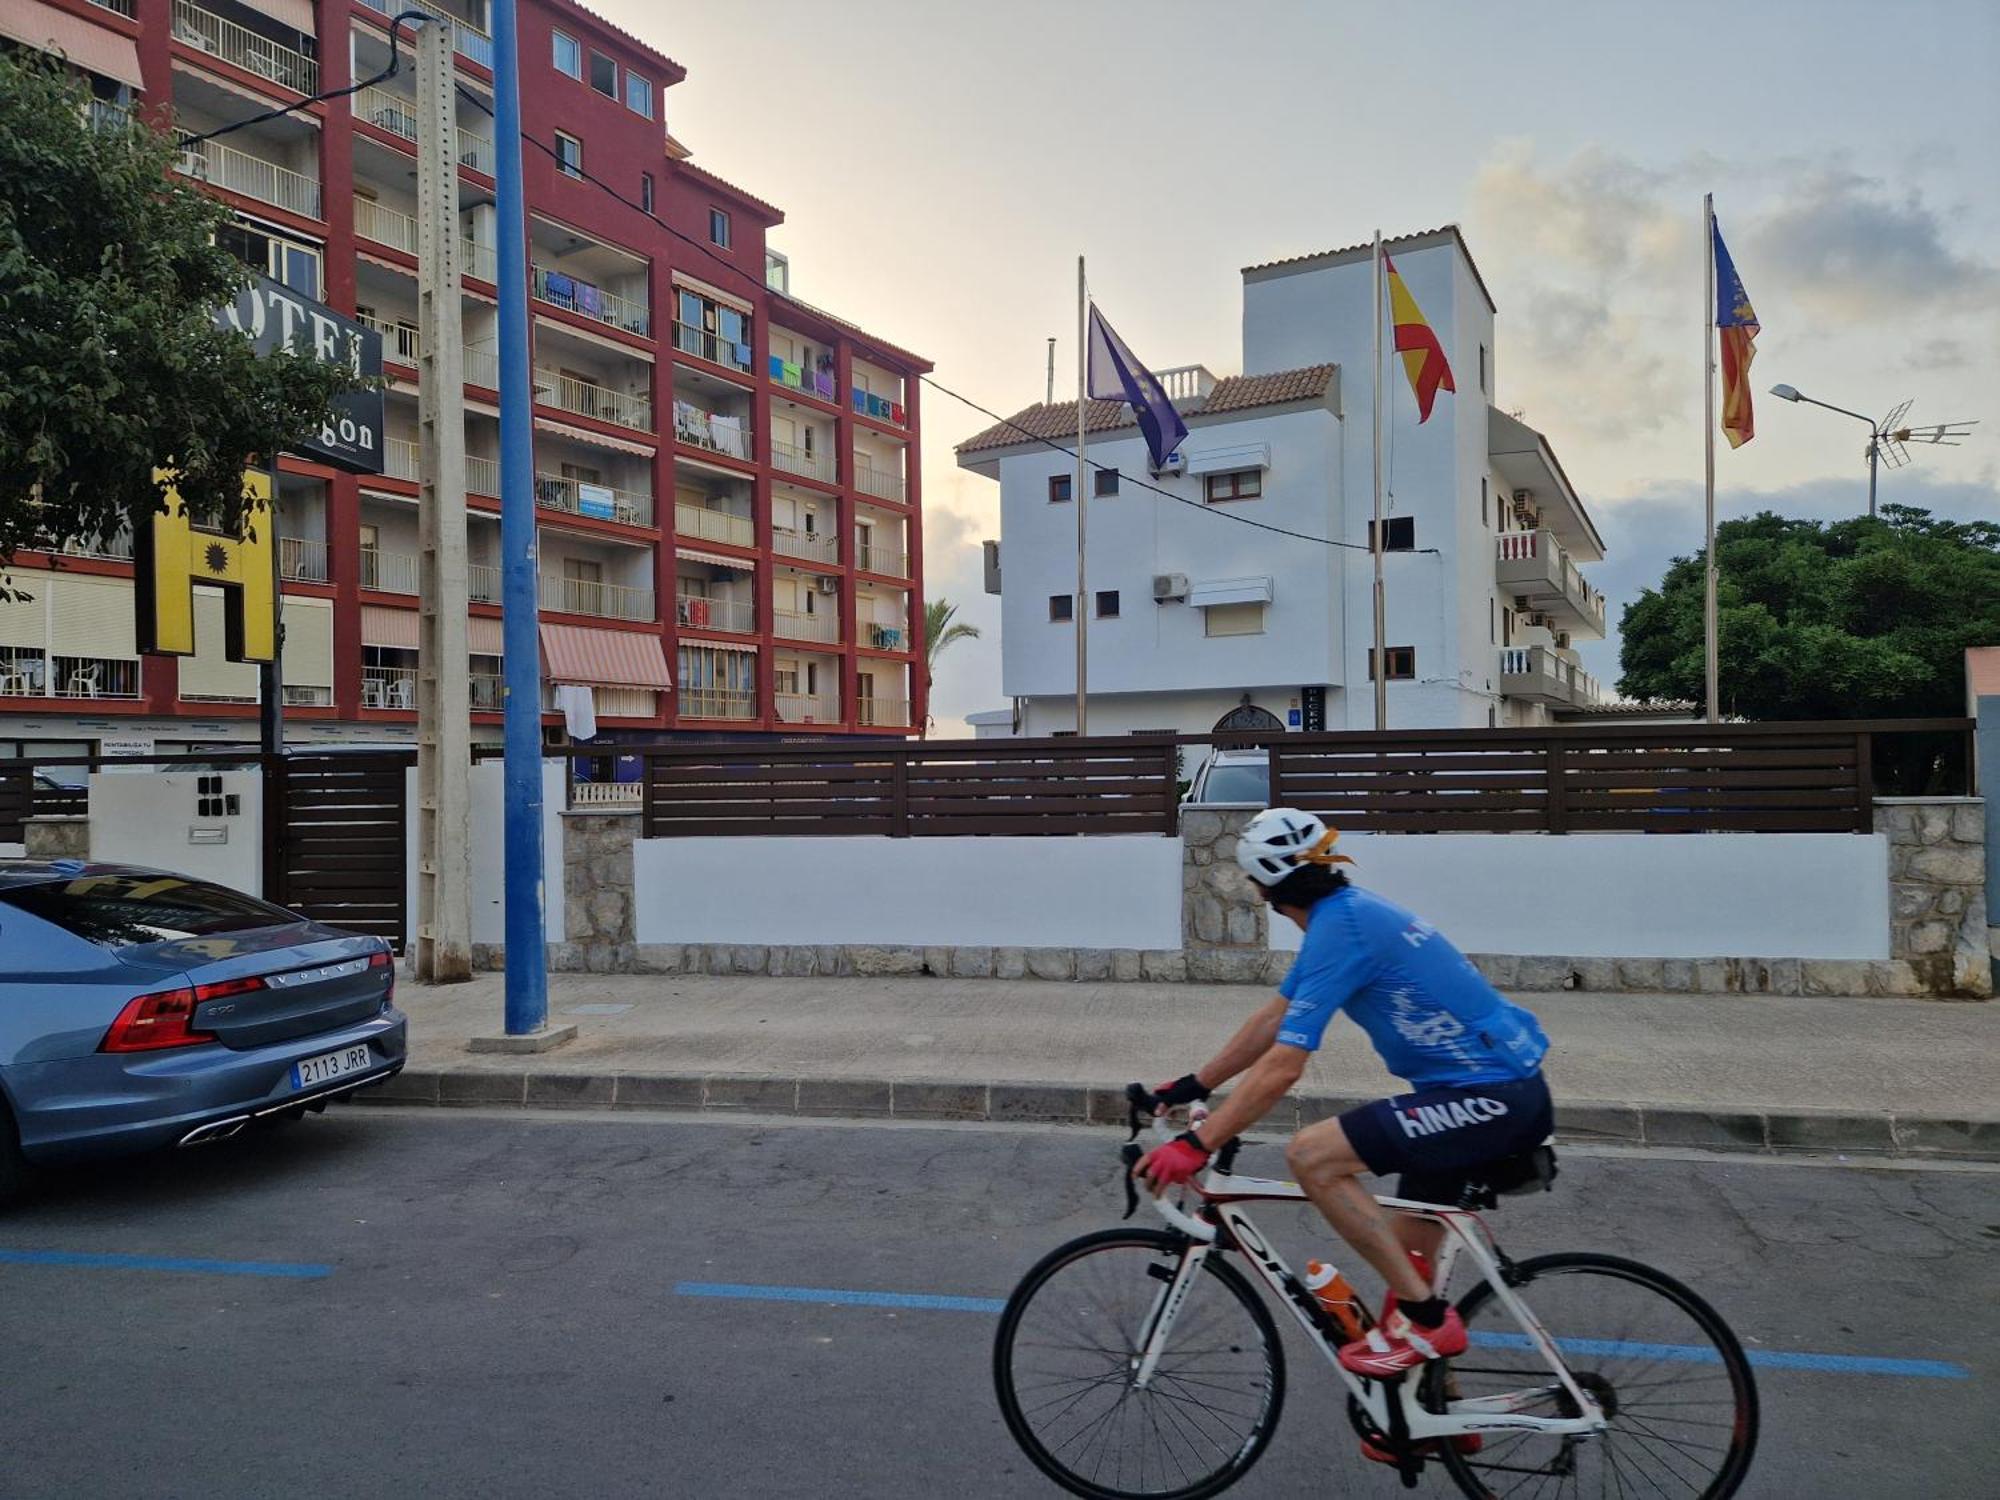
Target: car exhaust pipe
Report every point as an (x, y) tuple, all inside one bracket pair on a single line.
[(215, 1130)]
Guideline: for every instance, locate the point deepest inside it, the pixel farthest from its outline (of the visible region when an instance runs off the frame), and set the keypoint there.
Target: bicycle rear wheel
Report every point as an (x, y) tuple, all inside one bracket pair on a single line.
[(1670, 1376), (1069, 1346)]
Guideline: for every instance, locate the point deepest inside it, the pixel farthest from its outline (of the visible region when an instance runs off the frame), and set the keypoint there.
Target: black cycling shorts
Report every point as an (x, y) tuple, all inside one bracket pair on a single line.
[(1437, 1138)]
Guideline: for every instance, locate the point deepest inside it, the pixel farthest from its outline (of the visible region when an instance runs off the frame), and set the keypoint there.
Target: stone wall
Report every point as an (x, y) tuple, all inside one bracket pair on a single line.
[(598, 919), (1937, 893), (1219, 907), (56, 838)]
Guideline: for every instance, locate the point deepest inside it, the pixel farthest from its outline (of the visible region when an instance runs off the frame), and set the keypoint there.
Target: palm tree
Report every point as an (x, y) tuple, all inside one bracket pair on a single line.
[(940, 630)]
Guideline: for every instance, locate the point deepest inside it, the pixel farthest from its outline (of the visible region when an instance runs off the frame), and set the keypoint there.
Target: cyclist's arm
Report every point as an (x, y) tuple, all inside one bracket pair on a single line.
[(1252, 1040), (1269, 1080)]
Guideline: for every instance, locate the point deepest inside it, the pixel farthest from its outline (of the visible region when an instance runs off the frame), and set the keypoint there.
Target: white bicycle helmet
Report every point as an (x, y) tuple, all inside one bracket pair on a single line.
[(1280, 839)]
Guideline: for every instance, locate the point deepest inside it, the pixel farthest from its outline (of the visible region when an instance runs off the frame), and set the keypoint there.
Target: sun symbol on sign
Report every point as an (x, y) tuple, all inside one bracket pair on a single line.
[(217, 558)]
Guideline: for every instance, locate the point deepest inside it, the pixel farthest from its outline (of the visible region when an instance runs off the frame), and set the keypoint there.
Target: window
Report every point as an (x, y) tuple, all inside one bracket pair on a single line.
[(1484, 498), (777, 272), (646, 191), (1399, 534), (118, 911), (1107, 482), (568, 56), (569, 155), (1243, 484), (638, 94), (1233, 619), (604, 75), (1492, 625), (718, 228), (1402, 663), (1059, 487), (1107, 604), (1062, 607), (1482, 369), (288, 262)]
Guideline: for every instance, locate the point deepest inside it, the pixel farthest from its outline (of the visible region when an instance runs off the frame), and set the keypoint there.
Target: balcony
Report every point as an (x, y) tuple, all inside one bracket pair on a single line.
[(401, 459), (398, 115), (239, 172), (489, 693), (400, 341), (885, 637), (115, 549), (796, 460), (589, 596), (817, 546), (716, 703), (619, 794), (1534, 566), (585, 398), (806, 380), (872, 481), (878, 408), (482, 475), (795, 625), (890, 562), (388, 572), (482, 583), (28, 672), (305, 695), (388, 687), (302, 560), (714, 525), (574, 294), (808, 708), (385, 226), (711, 613), (602, 502), (712, 347), (1537, 674), (467, 39), (882, 713), (244, 48), (126, 8), (704, 429)]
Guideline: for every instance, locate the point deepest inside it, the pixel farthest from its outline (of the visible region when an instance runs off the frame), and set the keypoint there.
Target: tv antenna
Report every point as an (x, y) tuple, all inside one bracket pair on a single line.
[(1892, 437)]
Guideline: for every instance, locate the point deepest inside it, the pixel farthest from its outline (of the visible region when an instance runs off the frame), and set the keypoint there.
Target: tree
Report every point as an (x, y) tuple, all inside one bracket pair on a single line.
[(110, 364), (940, 630)]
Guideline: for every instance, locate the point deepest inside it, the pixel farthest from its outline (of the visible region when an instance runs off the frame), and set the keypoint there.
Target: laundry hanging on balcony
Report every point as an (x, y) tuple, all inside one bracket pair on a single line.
[(579, 710)]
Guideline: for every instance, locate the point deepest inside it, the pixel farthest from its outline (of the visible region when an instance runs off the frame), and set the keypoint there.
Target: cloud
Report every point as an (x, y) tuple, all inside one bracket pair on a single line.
[(1938, 354)]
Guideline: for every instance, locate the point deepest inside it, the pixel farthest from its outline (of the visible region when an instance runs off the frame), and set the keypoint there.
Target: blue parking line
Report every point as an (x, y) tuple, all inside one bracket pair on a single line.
[(1770, 1359), (81, 1260)]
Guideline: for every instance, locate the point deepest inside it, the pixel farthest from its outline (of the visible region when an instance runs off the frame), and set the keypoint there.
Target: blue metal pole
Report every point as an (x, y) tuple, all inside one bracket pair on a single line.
[(527, 970)]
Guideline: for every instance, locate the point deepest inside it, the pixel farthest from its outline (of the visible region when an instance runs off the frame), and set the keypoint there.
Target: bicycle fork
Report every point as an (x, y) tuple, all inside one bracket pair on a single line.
[(1167, 1305)]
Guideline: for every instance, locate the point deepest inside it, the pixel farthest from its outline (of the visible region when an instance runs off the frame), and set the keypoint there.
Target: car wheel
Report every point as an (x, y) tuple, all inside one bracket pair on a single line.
[(14, 1169)]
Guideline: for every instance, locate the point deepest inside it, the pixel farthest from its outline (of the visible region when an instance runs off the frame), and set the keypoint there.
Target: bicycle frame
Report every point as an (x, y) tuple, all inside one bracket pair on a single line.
[(1223, 1223)]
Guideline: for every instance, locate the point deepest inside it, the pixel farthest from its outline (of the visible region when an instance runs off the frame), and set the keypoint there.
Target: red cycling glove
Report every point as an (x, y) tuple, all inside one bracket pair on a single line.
[(1174, 1163)]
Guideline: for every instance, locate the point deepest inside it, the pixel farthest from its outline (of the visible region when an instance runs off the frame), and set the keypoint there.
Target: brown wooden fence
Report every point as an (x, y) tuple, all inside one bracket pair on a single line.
[(1658, 778)]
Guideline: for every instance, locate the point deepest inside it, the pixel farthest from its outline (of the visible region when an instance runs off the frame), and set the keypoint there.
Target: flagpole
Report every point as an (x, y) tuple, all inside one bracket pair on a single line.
[(1082, 610), (1380, 658), (1708, 434)]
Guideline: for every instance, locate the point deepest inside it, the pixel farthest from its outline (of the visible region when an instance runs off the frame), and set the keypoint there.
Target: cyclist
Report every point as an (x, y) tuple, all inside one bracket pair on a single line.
[(1472, 1056)]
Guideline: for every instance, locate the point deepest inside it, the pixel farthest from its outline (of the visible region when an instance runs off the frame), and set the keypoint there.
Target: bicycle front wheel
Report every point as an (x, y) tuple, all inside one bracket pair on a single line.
[(1669, 1375), (1068, 1351)]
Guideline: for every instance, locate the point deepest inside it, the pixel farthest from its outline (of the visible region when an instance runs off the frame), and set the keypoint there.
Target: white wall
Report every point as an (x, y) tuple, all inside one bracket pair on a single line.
[(1121, 891), (146, 817), (1635, 895), (489, 855)]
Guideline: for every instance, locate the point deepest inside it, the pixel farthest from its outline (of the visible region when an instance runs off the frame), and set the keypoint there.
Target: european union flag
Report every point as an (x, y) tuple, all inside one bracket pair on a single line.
[(1115, 374)]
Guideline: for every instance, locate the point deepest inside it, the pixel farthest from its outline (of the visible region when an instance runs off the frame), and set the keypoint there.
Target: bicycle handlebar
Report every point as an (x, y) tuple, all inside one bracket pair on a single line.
[(1137, 1099)]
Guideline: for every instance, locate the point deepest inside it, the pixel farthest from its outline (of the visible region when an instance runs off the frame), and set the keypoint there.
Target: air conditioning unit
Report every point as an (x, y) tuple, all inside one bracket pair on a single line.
[(1562, 640), (1168, 587), (1176, 464), (827, 585)]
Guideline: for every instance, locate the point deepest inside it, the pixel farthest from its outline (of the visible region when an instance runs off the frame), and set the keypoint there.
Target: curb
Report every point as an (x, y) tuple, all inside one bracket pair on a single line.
[(1765, 1131)]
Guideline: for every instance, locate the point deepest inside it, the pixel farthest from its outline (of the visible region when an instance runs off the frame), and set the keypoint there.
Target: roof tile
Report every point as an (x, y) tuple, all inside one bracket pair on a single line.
[(1234, 393)]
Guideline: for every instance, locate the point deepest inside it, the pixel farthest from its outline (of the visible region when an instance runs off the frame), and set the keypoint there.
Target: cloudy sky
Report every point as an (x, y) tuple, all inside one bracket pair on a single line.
[(942, 163)]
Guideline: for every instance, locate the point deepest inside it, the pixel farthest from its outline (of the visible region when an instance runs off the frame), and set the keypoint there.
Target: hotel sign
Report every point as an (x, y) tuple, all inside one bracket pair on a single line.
[(274, 317)]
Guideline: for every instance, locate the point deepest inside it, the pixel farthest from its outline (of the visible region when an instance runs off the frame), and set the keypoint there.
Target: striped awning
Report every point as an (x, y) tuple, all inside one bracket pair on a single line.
[(602, 440), (94, 48), (604, 658), (716, 559), (381, 626), (483, 636), (297, 14)]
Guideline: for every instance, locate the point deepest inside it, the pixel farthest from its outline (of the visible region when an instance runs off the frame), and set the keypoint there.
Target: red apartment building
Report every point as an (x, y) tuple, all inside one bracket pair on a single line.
[(726, 479)]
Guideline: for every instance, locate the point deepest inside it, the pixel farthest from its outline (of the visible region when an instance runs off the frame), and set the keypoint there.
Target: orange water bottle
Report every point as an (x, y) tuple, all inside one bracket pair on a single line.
[(1336, 1297)]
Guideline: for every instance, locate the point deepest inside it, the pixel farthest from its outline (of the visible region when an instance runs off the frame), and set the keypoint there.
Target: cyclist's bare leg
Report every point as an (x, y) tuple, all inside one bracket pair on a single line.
[(1324, 1163), (1425, 1236)]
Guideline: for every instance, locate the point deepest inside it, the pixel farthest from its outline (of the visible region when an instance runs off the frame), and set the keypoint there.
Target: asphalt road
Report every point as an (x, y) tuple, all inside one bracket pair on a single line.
[(381, 1302)]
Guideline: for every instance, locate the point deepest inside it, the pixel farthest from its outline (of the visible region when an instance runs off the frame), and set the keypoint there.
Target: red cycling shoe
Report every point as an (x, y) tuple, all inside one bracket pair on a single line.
[(1397, 1345), (1465, 1442)]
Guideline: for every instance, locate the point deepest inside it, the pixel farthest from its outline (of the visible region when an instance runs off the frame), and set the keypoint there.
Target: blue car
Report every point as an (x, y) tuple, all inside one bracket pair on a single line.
[(141, 1009)]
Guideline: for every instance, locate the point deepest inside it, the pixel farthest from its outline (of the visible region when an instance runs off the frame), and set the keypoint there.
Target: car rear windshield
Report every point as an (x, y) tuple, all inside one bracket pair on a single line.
[(118, 911), (1237, 784)]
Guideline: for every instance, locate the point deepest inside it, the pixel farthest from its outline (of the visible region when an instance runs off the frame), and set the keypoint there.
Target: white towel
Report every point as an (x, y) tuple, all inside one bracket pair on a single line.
[(579, 710)]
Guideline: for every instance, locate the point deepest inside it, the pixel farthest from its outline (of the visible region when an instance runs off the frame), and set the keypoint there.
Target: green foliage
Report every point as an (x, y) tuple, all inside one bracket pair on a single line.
[(110, 366), (1856, 619), (940, 631)]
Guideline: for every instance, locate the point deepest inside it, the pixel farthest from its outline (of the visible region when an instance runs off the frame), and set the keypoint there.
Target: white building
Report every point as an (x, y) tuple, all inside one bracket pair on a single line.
[(1195, 616)]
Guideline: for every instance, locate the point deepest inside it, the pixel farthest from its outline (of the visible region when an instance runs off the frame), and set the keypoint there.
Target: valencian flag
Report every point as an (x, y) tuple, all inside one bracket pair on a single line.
[(1116, 375), (1417, 342), (1736, 328)]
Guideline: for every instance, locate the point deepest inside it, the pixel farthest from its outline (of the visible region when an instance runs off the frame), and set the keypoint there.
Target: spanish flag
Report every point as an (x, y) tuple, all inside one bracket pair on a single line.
[(1417, 342), (1736, 329)]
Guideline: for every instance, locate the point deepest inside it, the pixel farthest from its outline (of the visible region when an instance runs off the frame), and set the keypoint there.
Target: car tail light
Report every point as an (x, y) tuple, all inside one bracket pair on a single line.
[(227, 987), (385, 960), (153, 1022)]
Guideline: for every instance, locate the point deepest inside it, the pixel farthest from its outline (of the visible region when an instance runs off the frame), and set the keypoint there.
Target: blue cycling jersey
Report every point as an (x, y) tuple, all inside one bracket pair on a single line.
[(1431, 1015)]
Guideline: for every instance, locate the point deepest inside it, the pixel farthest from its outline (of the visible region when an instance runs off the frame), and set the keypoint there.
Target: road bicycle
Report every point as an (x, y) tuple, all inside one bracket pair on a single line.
[(1141, 1362)]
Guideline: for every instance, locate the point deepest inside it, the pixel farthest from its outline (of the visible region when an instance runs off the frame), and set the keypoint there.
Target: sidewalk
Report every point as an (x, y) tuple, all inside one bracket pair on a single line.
[(1909, 1077)]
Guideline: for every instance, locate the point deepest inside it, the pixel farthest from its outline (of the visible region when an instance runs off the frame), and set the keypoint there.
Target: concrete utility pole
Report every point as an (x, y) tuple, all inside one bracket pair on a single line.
[(444, 710)]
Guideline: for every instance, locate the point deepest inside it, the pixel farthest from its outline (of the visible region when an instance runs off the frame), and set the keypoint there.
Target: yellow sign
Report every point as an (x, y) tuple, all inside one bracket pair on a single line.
[(174, 555)]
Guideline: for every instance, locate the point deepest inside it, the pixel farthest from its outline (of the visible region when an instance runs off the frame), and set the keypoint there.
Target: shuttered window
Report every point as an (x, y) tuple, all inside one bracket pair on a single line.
[(25, 622), (309, 643), (92, 617), (208, 674)]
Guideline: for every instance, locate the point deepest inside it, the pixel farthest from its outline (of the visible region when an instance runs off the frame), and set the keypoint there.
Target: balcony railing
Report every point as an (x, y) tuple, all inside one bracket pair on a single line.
[(574, 294), (481, 260), (467, 39), (239, 172), (817, 545), (588, 596), (794, 625), (488, 691), (603, 502), (879, 408), (122, 7), (400, 341), (482, 583), (706, 429), (710, 346), (606, 794), (398, 115), (587, 399), (883, 713), (26, 672), (890, 562), (302, 559), (118, 548), (385, 226), (306, 695), (796, 460), (712, 613), (482, 475), (1535, 566), (714, 525), (873, 481), (244, 48), (388, 687), (806, 381), (716, 703), (1538, 674), (389, 572), (885, 637), (482, 365), (808, 708), (400, 459)]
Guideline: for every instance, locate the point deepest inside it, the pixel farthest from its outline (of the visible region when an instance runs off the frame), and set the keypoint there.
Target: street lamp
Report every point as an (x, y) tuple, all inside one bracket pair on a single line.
[(1791, 393)]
